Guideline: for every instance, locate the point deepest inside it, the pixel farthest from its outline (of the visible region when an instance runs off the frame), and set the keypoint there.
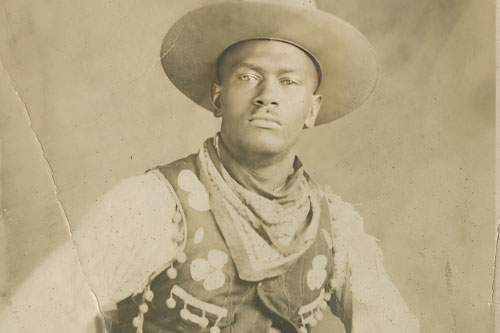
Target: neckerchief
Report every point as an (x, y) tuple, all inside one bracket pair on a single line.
[(273, 231), (280, 216)]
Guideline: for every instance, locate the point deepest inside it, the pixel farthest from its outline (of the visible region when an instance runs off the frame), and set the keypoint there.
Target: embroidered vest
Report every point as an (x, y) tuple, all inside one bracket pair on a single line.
[(203, 291)]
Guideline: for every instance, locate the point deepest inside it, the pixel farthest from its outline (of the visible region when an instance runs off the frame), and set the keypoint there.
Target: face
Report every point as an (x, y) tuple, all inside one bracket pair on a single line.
[(265, 96)]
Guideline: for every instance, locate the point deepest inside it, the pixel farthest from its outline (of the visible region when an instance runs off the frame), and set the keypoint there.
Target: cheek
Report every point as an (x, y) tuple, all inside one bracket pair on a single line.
[(237, 96), (299, 97), (235, 106), (299, 107)]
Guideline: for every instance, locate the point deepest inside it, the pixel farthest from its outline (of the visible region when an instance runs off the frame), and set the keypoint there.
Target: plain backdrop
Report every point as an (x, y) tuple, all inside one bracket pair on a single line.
[(85, 103)]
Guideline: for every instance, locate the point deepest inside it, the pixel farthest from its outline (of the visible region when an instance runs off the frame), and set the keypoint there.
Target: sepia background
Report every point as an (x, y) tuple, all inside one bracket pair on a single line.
[(85, 103)]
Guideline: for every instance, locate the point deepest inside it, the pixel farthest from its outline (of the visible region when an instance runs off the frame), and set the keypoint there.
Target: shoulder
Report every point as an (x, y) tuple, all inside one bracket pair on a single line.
[(137, 202), (355, 251), (128, 235), (149, 188), (348, 229), (346, 221)]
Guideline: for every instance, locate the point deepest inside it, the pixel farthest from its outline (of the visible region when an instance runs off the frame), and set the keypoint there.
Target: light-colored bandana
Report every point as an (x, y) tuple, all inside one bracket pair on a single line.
[(274, 229)]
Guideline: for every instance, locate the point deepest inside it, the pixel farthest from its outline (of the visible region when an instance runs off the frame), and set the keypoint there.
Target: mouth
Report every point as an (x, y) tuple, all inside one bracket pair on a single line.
[(265, 122)]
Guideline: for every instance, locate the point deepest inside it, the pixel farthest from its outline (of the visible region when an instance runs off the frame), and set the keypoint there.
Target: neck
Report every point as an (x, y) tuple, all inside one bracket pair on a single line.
[(255, 171)]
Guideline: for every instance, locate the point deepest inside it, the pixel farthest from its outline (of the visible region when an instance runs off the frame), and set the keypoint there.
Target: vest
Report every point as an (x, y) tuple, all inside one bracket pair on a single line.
[(202, 290)]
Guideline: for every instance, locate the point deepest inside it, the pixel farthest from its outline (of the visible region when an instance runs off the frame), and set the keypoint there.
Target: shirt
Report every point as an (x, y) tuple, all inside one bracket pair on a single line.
[(117, 247)]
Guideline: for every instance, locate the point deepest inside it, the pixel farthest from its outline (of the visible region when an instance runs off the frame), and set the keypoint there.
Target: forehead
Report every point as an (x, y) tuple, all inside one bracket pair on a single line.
[(267, 55)]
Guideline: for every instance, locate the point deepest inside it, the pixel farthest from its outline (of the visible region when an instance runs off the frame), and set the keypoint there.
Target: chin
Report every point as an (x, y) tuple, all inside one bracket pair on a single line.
[(265, 144)]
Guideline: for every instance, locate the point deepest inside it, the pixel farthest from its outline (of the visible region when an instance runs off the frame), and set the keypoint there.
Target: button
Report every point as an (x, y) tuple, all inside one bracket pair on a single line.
[(185, 314), (171, 273), (177, 217), (171, 303), (137, 321), (148, 295), (178, 238), (181, 258), (203, 322), (143, 308)]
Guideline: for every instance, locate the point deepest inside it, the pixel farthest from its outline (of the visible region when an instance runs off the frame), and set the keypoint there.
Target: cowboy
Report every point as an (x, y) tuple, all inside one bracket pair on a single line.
[(238, 237)]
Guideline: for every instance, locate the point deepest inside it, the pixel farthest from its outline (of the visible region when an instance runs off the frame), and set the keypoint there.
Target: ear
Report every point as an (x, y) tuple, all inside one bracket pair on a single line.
[(313, 112), (215, 95)]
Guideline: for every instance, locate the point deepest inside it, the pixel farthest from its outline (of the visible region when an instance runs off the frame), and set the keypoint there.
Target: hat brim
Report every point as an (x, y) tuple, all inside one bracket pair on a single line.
[(348, 61)]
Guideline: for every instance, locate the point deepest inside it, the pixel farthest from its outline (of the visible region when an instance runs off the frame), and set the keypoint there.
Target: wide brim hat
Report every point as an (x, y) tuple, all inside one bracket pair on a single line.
[(348, 62)]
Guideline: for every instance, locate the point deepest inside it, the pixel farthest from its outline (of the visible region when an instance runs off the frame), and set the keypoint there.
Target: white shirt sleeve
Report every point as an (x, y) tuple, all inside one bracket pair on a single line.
[(125, 237), (377, 305)]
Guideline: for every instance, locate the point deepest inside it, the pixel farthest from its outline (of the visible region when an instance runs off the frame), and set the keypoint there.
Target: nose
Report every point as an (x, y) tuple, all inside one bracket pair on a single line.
[(267, 95)]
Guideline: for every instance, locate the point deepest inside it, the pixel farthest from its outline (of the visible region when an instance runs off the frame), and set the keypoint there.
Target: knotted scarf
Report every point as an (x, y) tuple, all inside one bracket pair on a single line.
[(282, 216)]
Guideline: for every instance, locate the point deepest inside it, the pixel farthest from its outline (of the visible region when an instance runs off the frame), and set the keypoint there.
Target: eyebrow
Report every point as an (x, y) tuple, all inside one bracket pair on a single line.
[(259, 69), (244, 64)]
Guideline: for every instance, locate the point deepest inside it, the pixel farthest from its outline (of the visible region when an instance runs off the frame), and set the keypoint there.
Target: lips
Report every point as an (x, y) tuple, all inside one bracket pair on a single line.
[(265, 122)]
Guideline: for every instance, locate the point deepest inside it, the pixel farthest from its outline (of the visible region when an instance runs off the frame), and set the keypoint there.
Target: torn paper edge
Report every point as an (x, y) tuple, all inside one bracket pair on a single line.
[(495, 298)]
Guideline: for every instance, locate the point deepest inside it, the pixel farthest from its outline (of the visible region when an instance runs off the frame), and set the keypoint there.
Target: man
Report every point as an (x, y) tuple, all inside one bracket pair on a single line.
[(237, 237)]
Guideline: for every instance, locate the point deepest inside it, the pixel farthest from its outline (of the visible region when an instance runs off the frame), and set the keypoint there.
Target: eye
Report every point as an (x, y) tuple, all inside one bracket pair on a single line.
[(248, 77), (289, 82)]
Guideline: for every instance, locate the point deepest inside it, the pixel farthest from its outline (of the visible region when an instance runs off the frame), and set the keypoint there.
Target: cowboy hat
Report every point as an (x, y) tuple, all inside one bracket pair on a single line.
[(348, 62)]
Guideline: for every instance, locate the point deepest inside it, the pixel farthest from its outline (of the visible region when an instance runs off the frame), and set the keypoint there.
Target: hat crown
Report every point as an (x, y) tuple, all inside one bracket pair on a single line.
[(310, 4)]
